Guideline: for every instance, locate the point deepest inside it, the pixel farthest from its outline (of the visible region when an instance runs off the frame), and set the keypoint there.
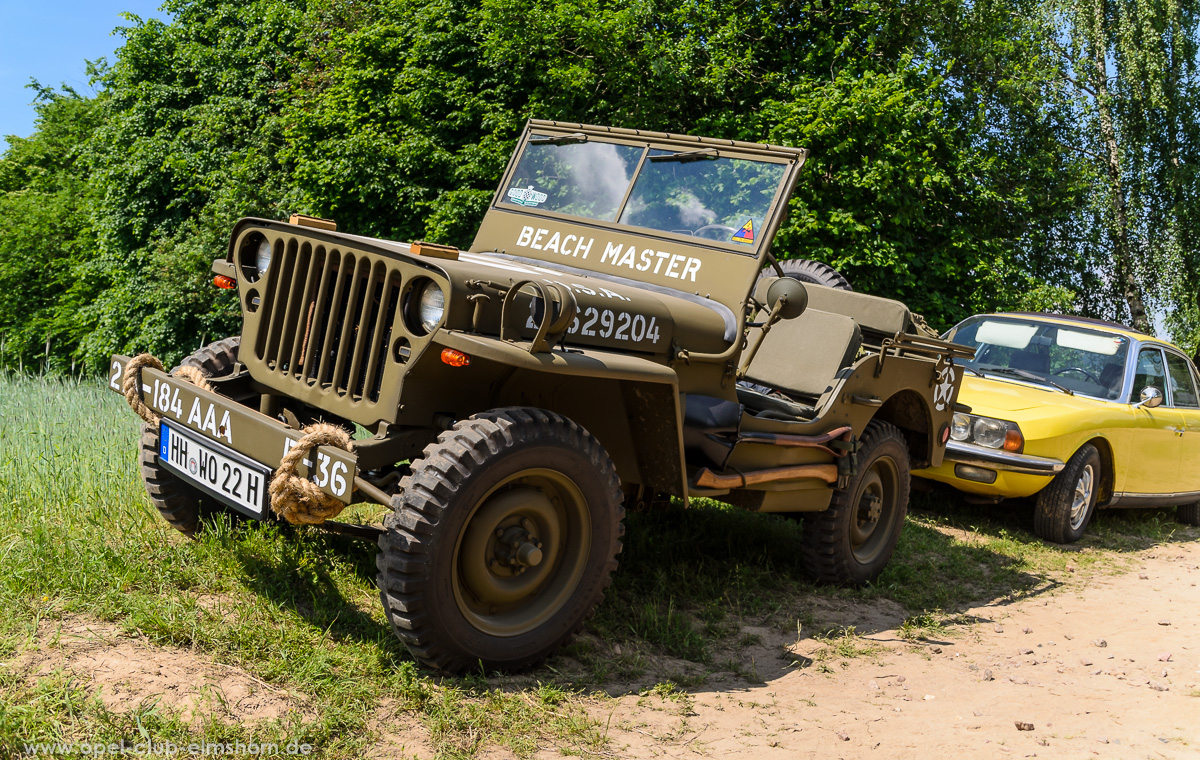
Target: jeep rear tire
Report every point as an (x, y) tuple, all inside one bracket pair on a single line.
[(851, 542), (814, 272), (501, 542), (180, 504)]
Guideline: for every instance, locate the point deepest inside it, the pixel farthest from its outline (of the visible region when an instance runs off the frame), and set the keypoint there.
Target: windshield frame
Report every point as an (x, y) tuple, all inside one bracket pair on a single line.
[(1133, 346), (649, 142)]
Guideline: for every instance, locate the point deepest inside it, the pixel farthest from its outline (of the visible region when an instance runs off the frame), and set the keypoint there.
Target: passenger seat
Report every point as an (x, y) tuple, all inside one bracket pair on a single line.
[(801, 358)]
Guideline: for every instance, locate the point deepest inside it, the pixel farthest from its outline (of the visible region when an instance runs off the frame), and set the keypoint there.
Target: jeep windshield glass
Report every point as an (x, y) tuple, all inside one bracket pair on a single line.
[(587, 179), (1084, 361), (702, 195), (722, 199)]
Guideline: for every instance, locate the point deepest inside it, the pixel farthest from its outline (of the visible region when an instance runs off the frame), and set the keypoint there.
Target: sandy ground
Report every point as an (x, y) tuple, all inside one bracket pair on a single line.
[(1106, 665), (124, 672)]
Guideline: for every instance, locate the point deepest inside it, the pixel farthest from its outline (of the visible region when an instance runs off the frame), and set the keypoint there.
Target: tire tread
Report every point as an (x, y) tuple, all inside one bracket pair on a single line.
[(1052, 511), (824, 539), (426, 495), (816, 272)]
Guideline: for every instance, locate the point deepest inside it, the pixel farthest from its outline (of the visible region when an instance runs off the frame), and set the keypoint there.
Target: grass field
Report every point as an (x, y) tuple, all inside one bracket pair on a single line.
[(299, 609)]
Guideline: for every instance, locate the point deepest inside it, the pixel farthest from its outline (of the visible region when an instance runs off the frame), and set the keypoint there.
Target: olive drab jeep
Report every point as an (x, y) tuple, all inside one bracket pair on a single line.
[(618, 334)]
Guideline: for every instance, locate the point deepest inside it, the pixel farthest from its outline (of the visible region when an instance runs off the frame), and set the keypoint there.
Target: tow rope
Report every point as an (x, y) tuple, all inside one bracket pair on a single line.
[(295, 499), (131, 384)]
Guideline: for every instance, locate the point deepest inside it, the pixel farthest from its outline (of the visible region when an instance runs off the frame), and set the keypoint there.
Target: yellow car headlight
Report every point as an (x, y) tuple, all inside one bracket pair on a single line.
[(960, 427), (986, 431)]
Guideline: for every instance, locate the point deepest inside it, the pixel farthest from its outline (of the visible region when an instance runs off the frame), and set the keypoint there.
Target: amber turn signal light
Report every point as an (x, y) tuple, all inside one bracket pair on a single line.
[(1014, 441), (455, 358), (224, 282)]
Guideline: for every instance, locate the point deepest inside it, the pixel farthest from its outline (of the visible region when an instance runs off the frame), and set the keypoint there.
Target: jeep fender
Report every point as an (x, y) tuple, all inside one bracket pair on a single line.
[(630, 403)]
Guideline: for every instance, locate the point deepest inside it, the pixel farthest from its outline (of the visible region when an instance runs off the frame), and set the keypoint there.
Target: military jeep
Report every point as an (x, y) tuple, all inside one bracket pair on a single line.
[(617, 335)]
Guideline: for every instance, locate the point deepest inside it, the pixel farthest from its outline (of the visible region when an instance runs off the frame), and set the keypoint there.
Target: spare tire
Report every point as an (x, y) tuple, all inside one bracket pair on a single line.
[(813, 272)]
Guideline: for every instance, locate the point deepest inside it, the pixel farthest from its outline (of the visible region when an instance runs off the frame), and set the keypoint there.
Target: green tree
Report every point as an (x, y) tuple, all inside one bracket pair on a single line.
[(938, 172), (1132, 64), (47, 241)]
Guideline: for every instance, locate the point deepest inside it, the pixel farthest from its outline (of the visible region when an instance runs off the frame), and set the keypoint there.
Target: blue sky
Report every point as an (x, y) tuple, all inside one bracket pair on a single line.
[(50, 40)]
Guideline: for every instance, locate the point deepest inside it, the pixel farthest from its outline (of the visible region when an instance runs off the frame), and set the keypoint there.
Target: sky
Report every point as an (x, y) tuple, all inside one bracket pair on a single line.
[(50, 40)]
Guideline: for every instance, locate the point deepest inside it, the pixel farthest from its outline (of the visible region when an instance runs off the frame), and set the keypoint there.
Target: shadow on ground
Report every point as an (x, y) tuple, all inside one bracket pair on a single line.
[(300, 577), (716, 595)]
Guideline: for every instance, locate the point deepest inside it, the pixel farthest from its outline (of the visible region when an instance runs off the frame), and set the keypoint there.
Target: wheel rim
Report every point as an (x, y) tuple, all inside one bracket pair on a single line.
[(875, 510), (522, 552), (1082, 498)]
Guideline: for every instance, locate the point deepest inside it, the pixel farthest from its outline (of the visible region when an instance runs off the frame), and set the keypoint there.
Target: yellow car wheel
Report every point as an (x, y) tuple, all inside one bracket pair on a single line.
[(1065, 507)]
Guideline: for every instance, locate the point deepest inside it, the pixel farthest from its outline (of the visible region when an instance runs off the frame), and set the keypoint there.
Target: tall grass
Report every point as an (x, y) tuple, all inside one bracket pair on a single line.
[(295, 608)]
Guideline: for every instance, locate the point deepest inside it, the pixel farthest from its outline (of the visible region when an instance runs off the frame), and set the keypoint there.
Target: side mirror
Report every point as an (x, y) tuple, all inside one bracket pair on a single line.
[(787, 293), (1150, 397)]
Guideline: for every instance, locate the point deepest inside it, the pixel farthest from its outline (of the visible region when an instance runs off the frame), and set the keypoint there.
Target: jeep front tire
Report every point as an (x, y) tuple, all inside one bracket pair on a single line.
[(501, 542)]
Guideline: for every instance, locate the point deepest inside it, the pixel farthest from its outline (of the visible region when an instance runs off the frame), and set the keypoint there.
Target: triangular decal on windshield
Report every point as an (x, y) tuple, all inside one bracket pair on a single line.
[(746, 233)]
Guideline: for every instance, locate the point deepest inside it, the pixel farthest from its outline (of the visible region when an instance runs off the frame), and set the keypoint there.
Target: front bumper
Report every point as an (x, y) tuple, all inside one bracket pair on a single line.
[(994, 459), (227, 423)]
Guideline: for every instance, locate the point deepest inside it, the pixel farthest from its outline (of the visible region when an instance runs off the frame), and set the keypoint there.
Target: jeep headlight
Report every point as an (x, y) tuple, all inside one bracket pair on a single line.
[(986, 431), (254, 256), (262, 256), (431, 306)]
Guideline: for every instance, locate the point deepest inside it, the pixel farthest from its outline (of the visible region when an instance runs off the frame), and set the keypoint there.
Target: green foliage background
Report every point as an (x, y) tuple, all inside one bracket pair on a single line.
[(946, 164)]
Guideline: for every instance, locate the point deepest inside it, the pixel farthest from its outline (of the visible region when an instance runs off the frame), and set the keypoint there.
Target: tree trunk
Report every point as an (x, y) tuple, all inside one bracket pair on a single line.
[(1119, 232)]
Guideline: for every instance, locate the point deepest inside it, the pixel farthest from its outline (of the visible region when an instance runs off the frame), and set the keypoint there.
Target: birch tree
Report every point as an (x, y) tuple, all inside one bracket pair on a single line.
[(1132, 64)]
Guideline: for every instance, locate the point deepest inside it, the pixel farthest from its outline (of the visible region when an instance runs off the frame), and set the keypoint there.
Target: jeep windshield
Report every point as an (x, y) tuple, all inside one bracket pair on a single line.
[(695, 193), (1067, 357), (691, 214)]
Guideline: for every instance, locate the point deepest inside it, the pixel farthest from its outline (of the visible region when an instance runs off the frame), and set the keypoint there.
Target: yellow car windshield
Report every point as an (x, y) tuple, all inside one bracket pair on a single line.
[(1069, 357)]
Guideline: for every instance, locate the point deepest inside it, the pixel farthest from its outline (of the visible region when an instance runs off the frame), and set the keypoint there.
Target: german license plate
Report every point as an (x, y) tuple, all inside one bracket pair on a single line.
[(223, 473)]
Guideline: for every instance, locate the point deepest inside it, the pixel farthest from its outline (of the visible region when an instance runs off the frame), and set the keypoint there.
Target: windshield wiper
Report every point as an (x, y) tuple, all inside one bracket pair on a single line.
[(578, 137), (684, 157), (1013, 372), (972, 370)]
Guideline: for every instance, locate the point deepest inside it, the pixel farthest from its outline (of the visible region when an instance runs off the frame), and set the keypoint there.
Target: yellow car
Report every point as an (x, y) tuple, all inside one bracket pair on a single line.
[(1076, 412)]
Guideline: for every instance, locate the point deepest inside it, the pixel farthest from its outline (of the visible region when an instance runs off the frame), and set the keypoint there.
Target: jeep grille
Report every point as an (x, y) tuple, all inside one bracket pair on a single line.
[(326, 319)]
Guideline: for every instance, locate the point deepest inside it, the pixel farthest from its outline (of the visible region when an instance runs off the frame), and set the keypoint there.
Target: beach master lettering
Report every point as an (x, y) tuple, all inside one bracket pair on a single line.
[(616, 254)]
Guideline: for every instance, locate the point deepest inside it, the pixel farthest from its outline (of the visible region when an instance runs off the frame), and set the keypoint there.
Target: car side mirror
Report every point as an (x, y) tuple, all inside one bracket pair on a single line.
[(1150, 398), (785, 293)]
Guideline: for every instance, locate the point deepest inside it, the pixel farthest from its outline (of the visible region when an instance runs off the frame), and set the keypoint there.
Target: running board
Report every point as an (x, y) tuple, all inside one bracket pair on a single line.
[(706, 478)]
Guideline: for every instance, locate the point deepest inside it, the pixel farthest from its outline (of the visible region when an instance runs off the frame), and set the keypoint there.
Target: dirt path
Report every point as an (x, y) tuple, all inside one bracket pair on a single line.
[(1107, 666)]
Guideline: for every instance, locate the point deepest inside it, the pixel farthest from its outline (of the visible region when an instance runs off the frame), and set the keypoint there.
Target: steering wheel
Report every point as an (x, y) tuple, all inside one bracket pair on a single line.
[(724, 230), (1080, 370)]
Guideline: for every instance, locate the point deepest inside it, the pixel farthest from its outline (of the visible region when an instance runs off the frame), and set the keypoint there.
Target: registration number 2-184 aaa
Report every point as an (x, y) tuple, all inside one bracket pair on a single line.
[(238, 483)]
